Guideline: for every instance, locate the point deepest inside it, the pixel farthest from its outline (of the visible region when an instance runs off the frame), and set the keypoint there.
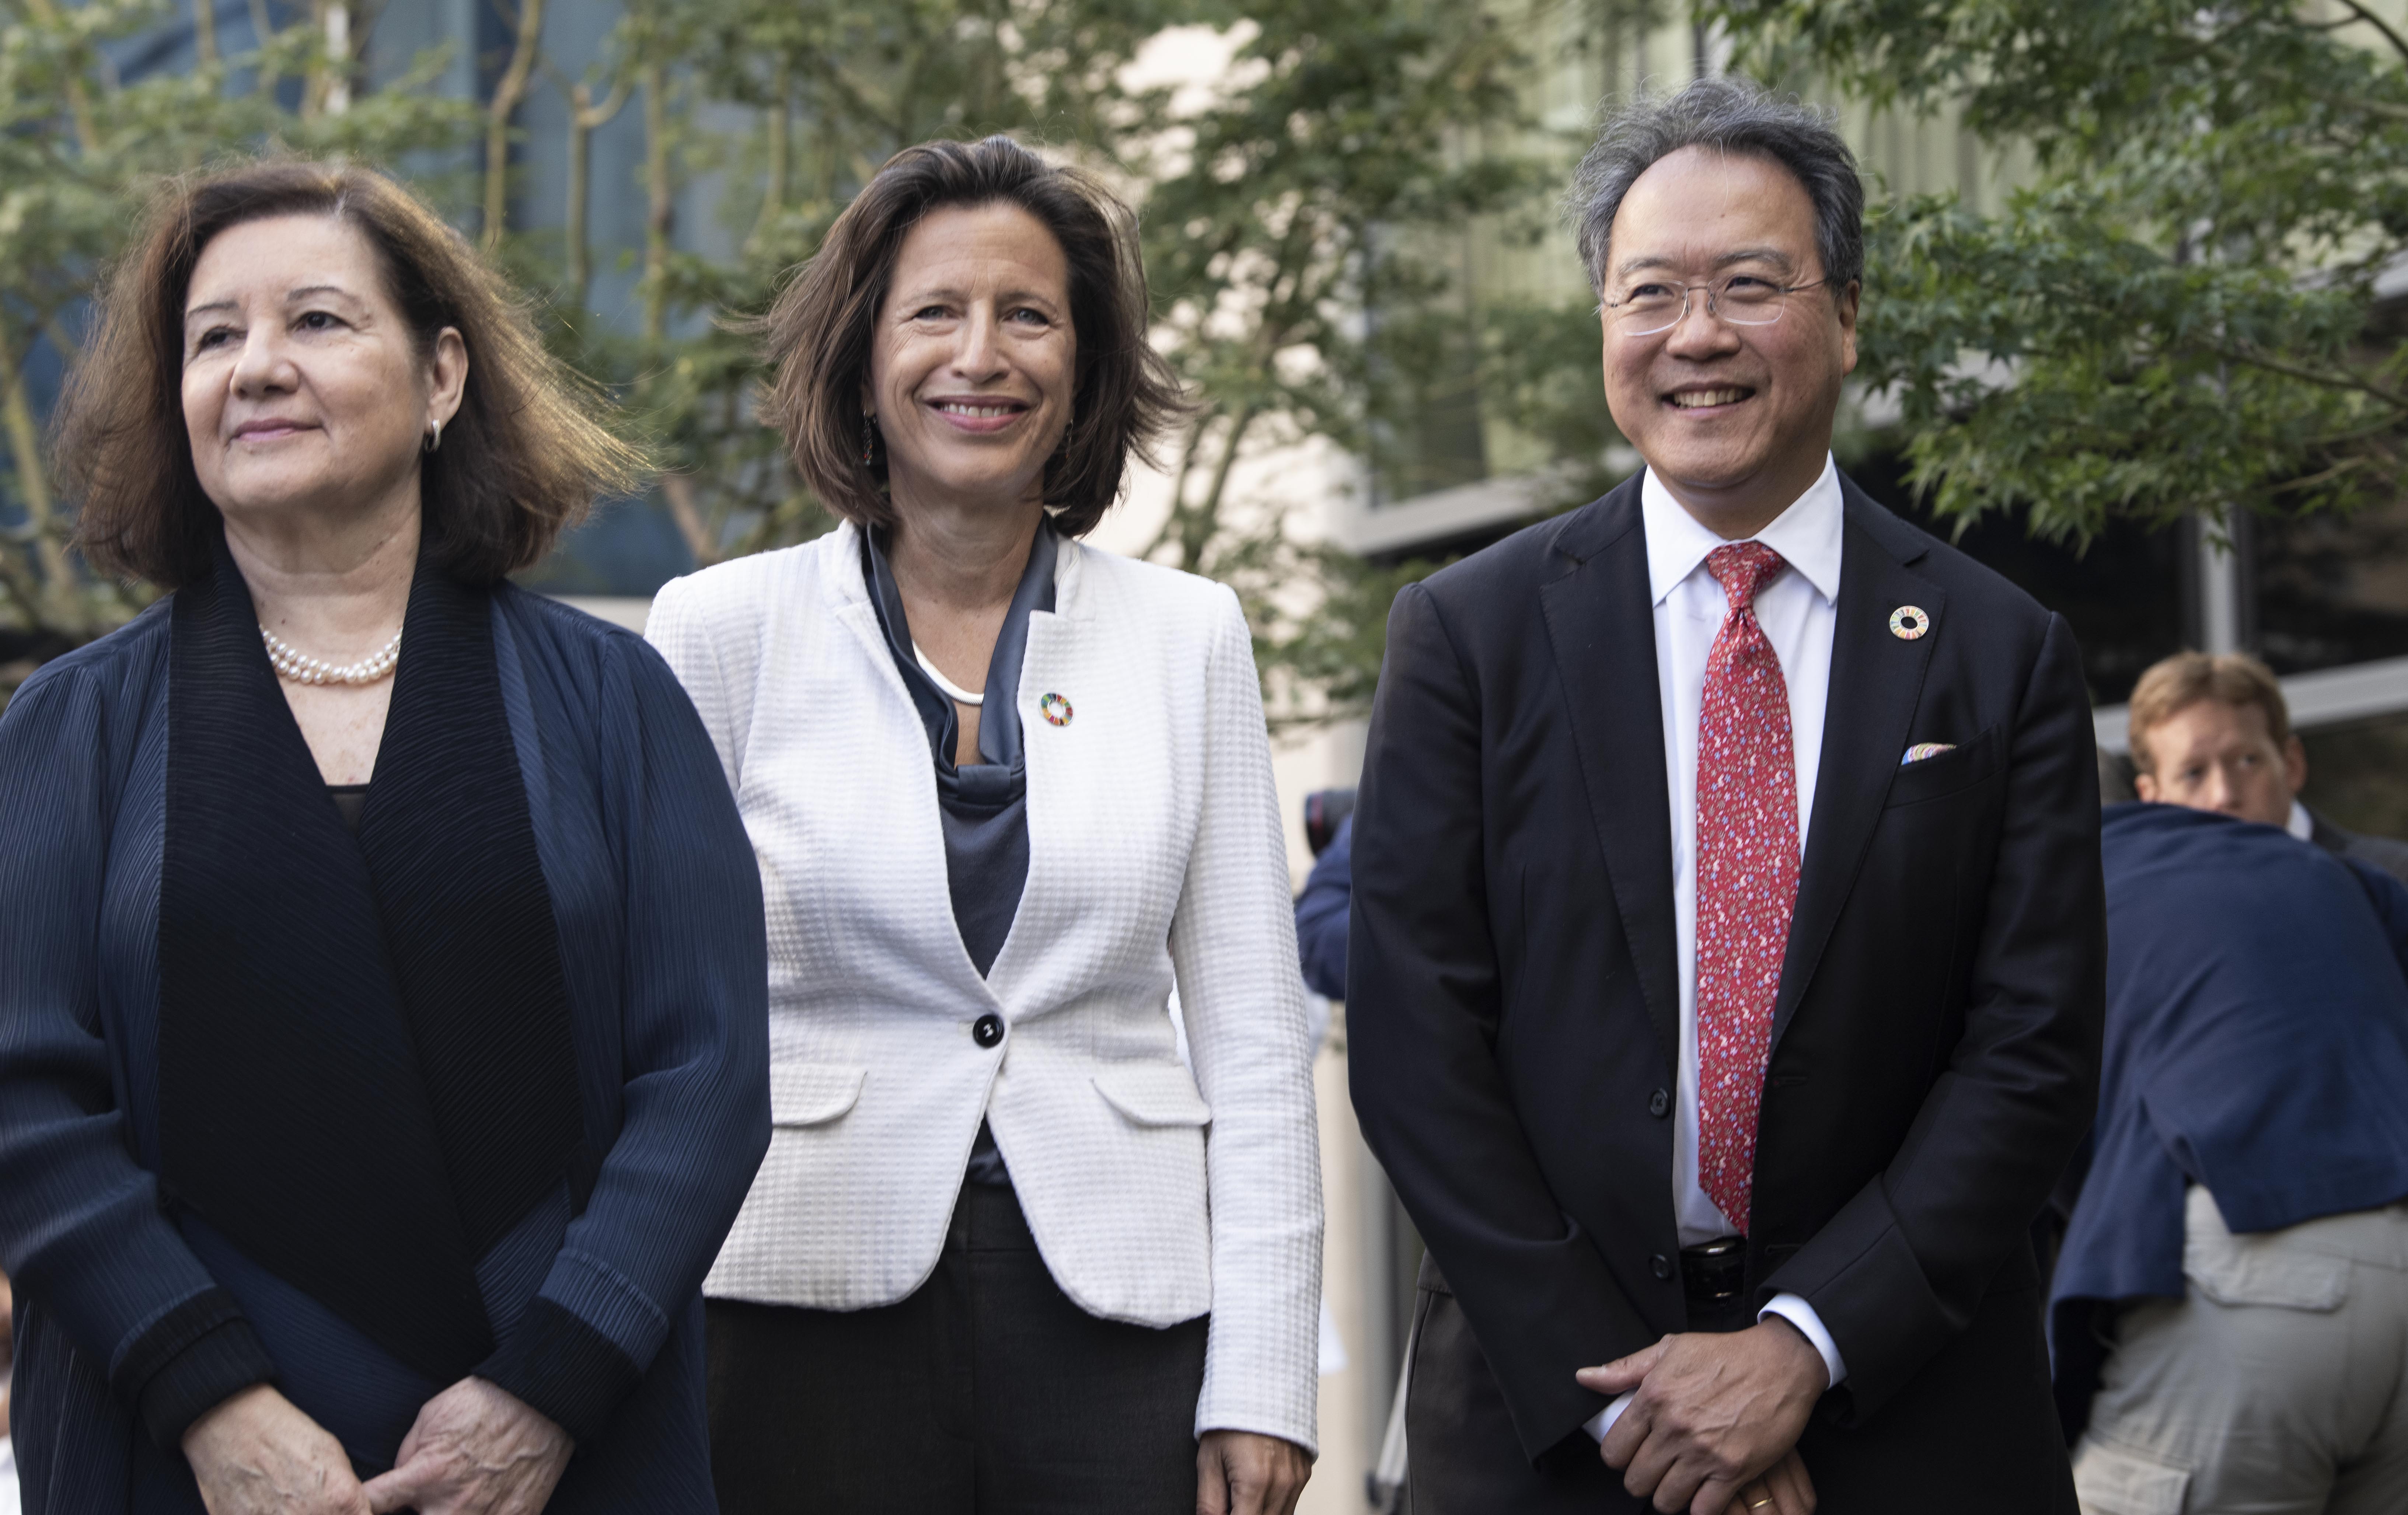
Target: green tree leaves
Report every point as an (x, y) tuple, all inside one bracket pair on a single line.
[(2179, 312)]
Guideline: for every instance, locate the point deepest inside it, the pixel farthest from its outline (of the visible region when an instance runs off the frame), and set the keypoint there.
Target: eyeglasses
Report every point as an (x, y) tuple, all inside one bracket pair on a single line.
[(1742, 299)]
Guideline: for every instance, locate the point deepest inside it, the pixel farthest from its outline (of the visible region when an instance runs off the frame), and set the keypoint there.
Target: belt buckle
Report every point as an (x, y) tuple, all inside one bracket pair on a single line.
[(1712, 1272)]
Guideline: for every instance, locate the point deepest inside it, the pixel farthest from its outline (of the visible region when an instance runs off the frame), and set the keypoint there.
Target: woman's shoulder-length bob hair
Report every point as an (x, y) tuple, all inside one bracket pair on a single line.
[(521, 461), (817, 334)]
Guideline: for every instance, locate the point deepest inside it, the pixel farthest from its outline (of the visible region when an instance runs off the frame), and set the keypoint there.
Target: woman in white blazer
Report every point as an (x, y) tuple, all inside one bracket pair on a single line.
[(1008, 1253)]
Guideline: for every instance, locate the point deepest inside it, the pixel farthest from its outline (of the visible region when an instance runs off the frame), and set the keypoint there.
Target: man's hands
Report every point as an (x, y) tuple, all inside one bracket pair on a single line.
[(1240, 1473), (1715, 1426), (477, 1449), (257, 1454)]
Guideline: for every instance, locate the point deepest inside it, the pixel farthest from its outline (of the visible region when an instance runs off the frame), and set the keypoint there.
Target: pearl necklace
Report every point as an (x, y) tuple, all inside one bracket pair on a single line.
[(292, 663)]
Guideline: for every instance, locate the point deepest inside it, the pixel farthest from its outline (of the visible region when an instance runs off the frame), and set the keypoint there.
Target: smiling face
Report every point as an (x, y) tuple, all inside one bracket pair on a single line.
[(305, 390), (1735, 420), (974, 361)]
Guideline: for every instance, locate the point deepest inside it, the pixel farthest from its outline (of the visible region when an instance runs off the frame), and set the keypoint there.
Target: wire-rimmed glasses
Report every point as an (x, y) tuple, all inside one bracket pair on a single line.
[(1656, 307)]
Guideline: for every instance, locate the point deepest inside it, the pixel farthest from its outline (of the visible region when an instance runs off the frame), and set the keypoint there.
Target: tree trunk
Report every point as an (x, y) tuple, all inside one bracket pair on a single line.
[(779, 126), (585, 118), (687, 512), (59, 597), (573, 228), (79, 100), (507, 95), (660, 209)]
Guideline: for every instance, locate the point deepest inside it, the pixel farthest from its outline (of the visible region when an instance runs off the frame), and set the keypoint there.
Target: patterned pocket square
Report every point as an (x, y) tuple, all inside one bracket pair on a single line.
[(1926, 750)]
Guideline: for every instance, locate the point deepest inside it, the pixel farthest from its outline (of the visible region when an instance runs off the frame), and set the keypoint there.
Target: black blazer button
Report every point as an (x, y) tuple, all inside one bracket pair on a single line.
[(987, 1030), (1659, 1104), (1660, 1265)]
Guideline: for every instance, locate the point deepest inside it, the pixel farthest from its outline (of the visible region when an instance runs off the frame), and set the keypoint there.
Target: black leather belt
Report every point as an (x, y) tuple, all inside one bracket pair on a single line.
[(1715, 1272)]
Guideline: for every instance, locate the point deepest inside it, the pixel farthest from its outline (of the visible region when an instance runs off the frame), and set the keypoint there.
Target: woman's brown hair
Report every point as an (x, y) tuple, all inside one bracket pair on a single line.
[(521, 461), (818, 333)]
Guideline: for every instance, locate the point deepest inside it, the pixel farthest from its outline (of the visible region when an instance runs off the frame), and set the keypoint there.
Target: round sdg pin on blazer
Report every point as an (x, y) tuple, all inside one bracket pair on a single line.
[(1908, 622), (1055, 709)]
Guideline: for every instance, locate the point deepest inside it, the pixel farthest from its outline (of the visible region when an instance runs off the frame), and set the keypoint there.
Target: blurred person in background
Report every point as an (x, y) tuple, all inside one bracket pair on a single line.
[(2229, 1309), (380, 955), (1328, 894), (1724, 978), (2213, 733), (1007, 1253)]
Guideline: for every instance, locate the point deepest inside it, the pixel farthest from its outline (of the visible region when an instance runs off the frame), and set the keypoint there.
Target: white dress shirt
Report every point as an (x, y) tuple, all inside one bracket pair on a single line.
[(1798, 610), (2300, 824)]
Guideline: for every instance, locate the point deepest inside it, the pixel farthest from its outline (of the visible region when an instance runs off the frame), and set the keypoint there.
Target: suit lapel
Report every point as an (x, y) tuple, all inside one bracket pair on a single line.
[(1600, 619), (892, 721), (1876, 682)]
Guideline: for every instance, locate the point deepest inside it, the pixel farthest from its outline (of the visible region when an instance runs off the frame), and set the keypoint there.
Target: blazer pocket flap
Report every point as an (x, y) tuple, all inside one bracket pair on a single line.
[(1149, 1095), (2247, 1275), (813, 1093)]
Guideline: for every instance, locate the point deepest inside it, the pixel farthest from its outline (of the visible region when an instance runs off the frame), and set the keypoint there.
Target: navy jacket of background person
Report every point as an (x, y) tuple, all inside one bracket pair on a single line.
[(2257, 1044), (1512, 1015), (127, 1300), (1321, 914)]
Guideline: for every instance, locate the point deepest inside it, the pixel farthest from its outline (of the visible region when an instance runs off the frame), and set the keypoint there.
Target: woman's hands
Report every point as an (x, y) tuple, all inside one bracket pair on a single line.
[(257, 1454), (477, 1449), (1240, 1473)]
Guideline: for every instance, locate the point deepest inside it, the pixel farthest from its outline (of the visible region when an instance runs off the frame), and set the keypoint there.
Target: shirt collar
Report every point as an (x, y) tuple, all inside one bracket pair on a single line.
[(1807, 535), (2301, 825)]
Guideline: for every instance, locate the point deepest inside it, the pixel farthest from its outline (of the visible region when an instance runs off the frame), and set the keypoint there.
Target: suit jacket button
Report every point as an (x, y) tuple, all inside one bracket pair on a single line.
[(1659, 1104), (1660, 1265), (987, 1030)]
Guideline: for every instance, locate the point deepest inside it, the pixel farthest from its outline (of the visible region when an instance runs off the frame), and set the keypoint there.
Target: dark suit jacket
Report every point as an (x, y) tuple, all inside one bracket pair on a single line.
[(2381, 851), (1514, 1009), (658, 904)]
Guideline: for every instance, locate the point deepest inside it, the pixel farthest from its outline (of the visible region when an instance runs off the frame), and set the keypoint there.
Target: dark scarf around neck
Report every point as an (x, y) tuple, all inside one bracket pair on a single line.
[(366, 1076)]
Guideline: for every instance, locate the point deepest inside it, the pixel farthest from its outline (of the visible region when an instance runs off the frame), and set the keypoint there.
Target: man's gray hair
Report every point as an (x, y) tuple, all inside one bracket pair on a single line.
[(1727, 114)]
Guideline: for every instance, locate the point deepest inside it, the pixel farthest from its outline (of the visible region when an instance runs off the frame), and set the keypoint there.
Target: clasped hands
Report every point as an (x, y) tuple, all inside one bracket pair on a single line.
[(1714, 1426), (475, 1450)]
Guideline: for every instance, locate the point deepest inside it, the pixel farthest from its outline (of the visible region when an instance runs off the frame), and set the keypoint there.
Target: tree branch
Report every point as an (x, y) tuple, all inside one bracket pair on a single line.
[(2398, 44), (2393, 398)]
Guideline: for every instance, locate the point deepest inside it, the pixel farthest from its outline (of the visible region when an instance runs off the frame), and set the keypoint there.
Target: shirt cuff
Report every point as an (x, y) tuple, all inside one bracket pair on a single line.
[(1793, 1309), (1599, 1424)]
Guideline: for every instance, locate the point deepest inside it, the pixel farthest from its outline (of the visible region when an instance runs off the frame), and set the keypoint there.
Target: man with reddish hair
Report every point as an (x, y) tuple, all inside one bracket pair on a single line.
[(2212, 733)]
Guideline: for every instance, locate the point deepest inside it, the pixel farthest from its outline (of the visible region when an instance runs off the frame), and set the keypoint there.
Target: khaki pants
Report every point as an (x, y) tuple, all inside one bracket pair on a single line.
[(2278, 1387)]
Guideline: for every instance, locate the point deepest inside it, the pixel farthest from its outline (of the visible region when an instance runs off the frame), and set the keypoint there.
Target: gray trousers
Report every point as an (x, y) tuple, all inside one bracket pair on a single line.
[(2277, 1386)]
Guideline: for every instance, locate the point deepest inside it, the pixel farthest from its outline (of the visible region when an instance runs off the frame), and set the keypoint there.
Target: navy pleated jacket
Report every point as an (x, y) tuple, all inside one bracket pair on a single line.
[(658, 905)]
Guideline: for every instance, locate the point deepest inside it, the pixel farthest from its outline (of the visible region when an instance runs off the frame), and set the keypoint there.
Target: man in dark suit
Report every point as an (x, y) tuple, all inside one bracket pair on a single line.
[(2211, 731), (1727, 955)]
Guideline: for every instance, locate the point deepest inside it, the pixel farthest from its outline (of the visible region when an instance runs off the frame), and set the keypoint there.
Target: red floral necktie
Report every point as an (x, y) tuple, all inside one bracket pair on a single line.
[(1747, 874)]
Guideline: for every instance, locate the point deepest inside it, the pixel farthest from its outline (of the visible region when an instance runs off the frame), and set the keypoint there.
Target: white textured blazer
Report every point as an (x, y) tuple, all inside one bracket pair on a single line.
[(1154, 854)]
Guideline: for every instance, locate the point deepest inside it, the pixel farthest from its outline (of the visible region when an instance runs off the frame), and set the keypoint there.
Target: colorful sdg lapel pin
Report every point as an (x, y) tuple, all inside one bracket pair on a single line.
[(1908, 622)]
